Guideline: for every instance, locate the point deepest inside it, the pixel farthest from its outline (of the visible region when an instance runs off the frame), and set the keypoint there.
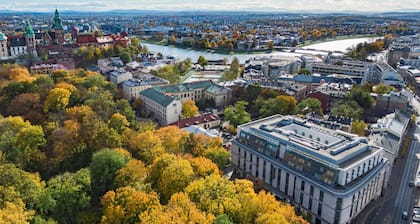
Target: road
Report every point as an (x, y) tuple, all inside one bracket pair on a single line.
[(403, 200), (399, 196)]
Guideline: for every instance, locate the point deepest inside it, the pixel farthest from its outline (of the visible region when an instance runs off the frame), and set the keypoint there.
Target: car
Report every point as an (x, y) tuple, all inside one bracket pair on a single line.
[(411, 183), (416, 218), (404, 215), (416, 211)]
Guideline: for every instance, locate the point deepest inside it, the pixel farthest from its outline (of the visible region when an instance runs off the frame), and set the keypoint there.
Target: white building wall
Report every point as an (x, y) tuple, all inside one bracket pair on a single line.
[(363, 196)]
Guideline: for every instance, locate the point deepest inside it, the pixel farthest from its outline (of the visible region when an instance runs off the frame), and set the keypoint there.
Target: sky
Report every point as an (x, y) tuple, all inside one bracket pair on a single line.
[(226, 5)]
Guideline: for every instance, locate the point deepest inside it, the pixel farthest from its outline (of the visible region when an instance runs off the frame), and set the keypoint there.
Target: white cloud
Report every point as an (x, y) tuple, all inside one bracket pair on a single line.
[(280, 5)]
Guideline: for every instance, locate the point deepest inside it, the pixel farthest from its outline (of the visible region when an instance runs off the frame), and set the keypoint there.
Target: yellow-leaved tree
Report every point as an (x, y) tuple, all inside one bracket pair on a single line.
[(189, 109), (57, 100)]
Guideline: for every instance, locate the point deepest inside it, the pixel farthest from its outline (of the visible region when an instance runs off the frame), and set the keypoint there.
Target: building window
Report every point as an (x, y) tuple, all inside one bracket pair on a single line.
[(264, 168), (311, 192), (302, 186), (310, 204), (321, 195), (319, 208)]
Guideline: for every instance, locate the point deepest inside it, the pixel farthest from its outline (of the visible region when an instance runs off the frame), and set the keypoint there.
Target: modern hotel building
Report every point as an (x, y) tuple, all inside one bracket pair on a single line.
[(331, 174)]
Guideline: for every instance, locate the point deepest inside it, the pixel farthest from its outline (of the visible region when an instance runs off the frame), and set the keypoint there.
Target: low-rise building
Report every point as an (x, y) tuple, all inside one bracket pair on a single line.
[(199, 91), (134, 86), (118, 77), (205, 121), (331, 174), (45, 69), (165, 109), (388, 103), (389, 132)]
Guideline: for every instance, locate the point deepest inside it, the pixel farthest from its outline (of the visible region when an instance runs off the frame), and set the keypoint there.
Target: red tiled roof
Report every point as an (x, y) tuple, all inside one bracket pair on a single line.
[(201, 119), (86, 38)]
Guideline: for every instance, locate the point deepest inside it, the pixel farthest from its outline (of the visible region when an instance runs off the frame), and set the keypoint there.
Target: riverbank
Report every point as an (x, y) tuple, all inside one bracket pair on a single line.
[(218, 51), (308, 43)]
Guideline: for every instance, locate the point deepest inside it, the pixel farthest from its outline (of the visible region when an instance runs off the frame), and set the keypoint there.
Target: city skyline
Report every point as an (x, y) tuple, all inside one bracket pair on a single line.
[(216, 5)]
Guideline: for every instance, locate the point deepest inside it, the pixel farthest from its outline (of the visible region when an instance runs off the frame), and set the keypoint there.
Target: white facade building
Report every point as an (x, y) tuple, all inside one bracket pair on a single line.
[(118, 77), (165, 109), (331, 174)]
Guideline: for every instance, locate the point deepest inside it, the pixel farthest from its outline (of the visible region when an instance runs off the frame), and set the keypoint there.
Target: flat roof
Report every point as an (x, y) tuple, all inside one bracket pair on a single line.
[(334, 147)]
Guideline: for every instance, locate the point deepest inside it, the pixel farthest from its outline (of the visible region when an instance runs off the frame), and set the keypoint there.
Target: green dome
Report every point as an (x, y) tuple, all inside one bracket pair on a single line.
[(3, 37), (58, 25), (29, 32)]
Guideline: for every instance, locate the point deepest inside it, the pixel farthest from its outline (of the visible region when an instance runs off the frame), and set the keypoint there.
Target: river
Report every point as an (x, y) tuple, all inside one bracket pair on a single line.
[(182, 53)]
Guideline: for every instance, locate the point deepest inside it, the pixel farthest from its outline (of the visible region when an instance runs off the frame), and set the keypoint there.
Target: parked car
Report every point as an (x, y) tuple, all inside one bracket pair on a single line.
[(411, 183), (404, 215)]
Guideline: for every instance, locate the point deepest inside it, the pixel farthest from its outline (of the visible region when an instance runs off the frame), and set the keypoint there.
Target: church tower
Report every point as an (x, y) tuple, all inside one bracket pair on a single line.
[(58, 28), (30, 39)]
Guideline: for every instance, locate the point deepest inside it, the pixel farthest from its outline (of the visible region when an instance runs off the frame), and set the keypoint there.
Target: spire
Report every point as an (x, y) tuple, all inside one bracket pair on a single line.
[(29, 32), (58, 25)]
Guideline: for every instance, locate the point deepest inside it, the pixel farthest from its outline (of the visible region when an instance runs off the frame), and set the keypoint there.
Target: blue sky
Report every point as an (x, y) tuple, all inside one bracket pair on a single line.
[(280, 5)]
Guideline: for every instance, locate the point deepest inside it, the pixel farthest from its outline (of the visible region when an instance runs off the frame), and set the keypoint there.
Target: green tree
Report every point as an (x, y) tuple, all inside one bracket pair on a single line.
[(347, 109), (309, 105), (280, 105), (234, 71), (28, 140), (66, 196), (362, 96), (189, 109), (125, 57), (202, 61), (303, 71), (358, 127), (382, 89), (237, 114), (104, 167), (135, 42), (27, 186)]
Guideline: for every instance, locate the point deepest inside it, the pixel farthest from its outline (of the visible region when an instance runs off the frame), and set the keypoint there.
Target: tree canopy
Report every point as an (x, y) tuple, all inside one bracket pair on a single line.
[(72, 151)]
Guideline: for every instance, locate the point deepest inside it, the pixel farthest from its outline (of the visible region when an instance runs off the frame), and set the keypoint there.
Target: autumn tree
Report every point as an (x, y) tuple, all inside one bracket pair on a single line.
[(133, 174), (146, 146), (57, 100), (174, 178), (20, 75), (15, 213), (125, 205), (172, 139), (27, 186), (203, 167), (118, 122), (189, 109), (179, 210), (358, 127)]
